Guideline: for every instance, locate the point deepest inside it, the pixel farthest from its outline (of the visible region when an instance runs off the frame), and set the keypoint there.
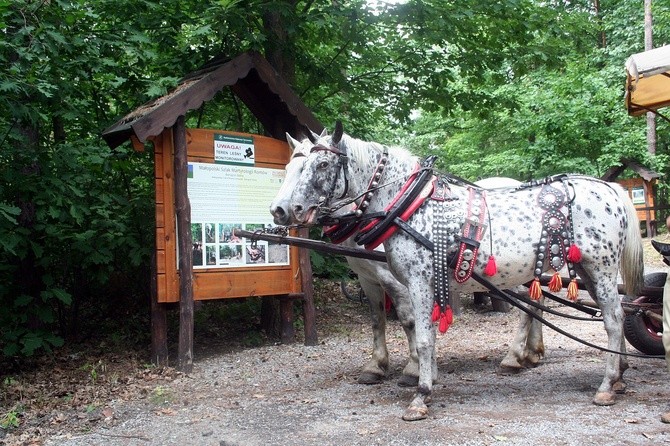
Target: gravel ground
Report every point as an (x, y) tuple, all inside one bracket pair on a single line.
[(298, 395)]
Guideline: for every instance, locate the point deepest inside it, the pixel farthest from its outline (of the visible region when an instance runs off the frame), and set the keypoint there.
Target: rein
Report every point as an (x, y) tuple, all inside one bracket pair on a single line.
[(514, 300)]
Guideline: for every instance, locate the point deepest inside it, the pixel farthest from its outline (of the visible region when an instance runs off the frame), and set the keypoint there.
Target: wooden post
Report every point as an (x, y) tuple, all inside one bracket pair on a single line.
[(286, 316), (184, 247), (159, 348), (651, 227), (309, 312)]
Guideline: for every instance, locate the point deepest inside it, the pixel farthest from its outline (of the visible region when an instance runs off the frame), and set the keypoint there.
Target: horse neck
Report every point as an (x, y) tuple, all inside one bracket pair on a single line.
[(363, 160)]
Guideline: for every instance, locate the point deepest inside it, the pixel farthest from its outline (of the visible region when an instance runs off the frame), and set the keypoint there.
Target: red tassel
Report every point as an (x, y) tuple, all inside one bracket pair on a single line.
[(491, 267), (573, 290), (436, 312), (574, 254), (446, 319), (535, 292), (450, 315), (556, 283)]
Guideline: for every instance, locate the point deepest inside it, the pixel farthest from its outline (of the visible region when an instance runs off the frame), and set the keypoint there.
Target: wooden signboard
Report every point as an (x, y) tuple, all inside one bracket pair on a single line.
[(641, 193), (224, 266)]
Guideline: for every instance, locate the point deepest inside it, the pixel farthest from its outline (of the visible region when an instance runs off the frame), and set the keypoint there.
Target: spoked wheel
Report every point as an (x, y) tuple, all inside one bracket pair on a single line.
[(640, 330)]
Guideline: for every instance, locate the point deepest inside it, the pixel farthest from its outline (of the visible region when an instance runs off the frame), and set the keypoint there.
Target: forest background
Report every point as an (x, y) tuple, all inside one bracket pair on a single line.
[(517, 88)]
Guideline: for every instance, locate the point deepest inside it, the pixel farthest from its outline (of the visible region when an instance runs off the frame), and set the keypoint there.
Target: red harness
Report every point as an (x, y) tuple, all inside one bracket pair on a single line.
[(404, 215)]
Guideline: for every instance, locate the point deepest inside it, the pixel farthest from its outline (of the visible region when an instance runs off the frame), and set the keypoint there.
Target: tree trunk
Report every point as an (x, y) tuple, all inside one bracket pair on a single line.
[(648, 45), (279, 51)]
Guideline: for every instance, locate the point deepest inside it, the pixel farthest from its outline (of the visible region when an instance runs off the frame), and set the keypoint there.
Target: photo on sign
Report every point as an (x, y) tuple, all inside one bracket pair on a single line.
[(210, 255), (256, 253), (638, 195), (196, 238), (230, 254), (226, 234)]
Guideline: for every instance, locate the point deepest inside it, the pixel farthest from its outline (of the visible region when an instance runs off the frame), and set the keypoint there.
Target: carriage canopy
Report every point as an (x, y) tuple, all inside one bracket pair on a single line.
[(648, 81)]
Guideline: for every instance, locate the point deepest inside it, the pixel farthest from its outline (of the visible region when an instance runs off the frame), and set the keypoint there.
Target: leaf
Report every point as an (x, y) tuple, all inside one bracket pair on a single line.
[(23, 300), (62, 295), (31, 342), (8, 86), (9, 212)]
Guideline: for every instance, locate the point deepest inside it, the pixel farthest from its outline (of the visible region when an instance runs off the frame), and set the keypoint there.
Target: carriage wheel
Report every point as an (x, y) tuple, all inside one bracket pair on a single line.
[(642, 332)]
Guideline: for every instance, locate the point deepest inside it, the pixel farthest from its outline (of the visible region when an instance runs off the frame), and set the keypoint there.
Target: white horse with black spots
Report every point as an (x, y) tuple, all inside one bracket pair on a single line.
[(595, 216), (375, 277)]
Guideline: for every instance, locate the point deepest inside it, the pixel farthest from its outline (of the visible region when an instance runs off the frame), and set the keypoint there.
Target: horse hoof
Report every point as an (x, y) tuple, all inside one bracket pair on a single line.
[(604, 399), (415, 413), (408, 381), (370, 378)]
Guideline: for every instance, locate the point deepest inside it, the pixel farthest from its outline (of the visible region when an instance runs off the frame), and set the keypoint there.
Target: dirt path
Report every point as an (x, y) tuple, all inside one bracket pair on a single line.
[(303, 396), (297, 395)]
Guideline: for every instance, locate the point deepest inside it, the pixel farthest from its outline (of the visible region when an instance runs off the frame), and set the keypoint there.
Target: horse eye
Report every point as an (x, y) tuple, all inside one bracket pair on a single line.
[(322, 165)]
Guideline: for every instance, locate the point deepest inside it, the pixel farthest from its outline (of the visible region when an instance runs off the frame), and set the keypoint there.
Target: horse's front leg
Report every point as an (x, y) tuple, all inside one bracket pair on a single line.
[(376, 368), (403, 306), (422, 299)]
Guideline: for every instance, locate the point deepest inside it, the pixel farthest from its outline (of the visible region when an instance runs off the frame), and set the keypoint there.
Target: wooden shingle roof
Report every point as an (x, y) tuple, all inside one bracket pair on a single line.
[(250, 76), (644, 172)]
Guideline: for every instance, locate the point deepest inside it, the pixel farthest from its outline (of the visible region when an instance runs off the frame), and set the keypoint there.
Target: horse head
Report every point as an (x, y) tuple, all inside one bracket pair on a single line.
[(323, 177), (279, 208)]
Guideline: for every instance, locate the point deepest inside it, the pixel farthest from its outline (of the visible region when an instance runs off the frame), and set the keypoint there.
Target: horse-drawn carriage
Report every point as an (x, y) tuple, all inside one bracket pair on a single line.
[(442, 236)]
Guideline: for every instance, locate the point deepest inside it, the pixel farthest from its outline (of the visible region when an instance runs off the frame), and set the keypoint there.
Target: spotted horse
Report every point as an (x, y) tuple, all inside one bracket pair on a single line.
[(375, 277), (437, 232)]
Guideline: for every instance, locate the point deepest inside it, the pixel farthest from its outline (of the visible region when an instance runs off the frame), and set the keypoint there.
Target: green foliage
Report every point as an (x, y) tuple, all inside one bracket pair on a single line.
[(327, 265), (515, 88), (560, 115), (11, 419)]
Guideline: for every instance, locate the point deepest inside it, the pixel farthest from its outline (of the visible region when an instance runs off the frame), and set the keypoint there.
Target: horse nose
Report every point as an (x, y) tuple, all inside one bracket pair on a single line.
[(280, 214)]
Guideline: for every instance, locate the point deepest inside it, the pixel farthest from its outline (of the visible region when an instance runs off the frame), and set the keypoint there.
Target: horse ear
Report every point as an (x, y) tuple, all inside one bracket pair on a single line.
[(312, 136), (292, 143), (339, 131)]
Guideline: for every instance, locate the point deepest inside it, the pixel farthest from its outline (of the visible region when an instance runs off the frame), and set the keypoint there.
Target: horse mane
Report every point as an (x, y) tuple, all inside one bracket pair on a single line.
[(360, 150)]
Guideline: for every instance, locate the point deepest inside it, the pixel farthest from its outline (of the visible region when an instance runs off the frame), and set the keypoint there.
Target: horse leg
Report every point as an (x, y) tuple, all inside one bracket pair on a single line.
[(535, 346), (605, 293), (527, 348), (421, 294), (403, 305), (375, 370)]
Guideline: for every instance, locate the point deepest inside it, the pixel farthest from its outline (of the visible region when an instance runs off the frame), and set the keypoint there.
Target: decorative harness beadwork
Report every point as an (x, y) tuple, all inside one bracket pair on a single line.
[(556, 247), (457, 230)]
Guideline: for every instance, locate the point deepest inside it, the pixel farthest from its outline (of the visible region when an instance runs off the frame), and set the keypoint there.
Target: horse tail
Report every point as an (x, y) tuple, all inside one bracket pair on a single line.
[(632, 261)]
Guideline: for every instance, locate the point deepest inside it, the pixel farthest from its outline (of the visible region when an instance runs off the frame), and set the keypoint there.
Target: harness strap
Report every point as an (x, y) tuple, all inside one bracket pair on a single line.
[(505, 295), (411, 197), (414, 233), (348, 224)]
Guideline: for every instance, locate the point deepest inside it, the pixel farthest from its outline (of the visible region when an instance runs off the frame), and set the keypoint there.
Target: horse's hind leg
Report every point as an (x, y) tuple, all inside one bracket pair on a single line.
[(527, 348), (605, 293), (376, 368)]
